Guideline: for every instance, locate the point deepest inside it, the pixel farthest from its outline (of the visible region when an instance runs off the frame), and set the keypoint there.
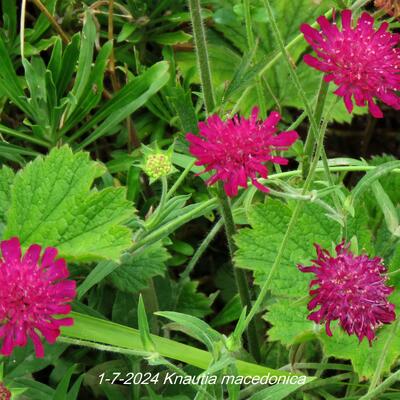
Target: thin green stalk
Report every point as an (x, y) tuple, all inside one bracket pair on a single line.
[(382, 358), (172, 225), (344, 168), (154, 219), (249, 27), (314, 118), (386, 384), (24, 136), (327, 381), (251, 45), (152, 305), (298, 121), (181, 178), (309, 143), (239, 274), (292, 223), (201, 249), (296, 81), (199, 36)]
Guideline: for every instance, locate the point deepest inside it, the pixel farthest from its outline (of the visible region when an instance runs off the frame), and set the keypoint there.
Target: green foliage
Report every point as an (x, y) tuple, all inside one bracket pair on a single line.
[(51, 204), (137, 269), (257, 246), (6, 180), (364, 358)]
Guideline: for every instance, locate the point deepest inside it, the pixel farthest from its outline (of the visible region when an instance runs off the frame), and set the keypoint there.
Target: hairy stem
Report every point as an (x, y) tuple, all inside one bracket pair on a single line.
[(309, 143), (292, 223), (386, 384), (239, 274), (203, 61)]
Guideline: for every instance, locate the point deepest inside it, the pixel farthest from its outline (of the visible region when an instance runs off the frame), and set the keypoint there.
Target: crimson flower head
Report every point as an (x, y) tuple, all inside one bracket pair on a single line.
[(5, 394), (363, 62), (237, 149), (350, 289), (33, 290)]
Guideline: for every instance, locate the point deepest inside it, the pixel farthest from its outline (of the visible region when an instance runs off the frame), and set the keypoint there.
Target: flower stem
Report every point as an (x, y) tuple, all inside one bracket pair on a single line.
[(386, 384), (201, 249), (209, 102), (181, 178), (309, 144), (292, 223), (239, 274), (251, 45), (170, 226), (199, 35), (382, 358)]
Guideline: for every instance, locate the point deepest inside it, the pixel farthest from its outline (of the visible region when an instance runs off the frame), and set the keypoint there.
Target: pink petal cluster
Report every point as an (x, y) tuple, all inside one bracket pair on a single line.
[(33, 290), (5, 394), (350, 289), (362, 61), (237, 149)]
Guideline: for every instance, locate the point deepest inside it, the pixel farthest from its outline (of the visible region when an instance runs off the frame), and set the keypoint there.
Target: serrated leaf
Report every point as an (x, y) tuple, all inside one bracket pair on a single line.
[(365, 358), (257, 247), (52, 205), (192, 302), (289, 322), (136, 269)]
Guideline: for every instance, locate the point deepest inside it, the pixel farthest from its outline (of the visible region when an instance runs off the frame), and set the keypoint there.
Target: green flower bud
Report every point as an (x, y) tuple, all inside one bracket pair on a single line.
[(157, 165)]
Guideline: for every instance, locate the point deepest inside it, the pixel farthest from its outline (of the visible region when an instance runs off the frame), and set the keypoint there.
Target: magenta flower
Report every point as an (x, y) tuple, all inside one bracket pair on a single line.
[(350, 289), (5, 394), (362, 61), (238, 148), (33, 290)]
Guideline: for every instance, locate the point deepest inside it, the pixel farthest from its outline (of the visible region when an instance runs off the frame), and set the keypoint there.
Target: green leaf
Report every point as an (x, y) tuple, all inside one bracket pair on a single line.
[(132, 96), (370, 177), (144, 329), (68, 64), (85, 59), (94, 87), (195, 327), (192, 302), (52, 205), (62, 387), (277, 392), (182, 102), (229, 313), (388, 209), (102, 331), (102, 269), (171, 38), (385, 349), (9, 83), (289, 322), (6, 180), (257, 251), (136, 269), (257, 246)]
